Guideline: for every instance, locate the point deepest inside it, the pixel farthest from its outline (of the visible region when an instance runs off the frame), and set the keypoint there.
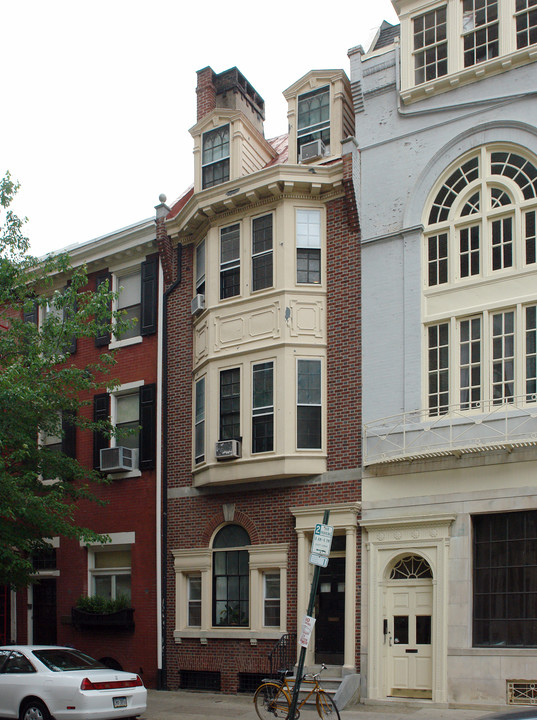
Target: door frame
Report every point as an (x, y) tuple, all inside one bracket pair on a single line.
[(344, 519), (384, 542)]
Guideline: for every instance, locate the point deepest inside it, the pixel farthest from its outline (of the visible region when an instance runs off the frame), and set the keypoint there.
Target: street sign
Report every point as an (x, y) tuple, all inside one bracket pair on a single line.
[(307, 628), (322, 540), (320, 560)]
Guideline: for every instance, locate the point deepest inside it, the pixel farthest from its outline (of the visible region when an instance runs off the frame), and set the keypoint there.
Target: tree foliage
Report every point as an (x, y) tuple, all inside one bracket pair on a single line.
[(43, 392)]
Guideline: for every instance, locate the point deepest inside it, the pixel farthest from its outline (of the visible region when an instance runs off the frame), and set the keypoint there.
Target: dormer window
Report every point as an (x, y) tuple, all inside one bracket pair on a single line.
[(430, 45), (215, 157), (314, 118), (480, 31)]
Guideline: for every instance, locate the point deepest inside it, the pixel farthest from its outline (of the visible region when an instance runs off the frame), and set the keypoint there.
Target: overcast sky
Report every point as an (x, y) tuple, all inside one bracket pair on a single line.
[(98, 97)]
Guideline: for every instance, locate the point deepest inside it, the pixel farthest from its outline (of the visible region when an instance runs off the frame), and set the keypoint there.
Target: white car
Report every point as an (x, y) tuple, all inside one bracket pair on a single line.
[(39, 682)]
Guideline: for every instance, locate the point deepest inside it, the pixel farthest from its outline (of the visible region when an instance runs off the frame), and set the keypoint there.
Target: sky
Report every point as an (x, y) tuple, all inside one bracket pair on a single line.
[(98, 97)]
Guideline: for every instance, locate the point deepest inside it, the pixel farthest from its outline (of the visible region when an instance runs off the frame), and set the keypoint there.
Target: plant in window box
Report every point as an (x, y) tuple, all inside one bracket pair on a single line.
[(99, 612)]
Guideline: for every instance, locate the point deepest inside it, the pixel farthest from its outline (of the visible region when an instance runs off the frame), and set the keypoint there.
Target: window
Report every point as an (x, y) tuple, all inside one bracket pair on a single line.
[(482, 219), (263, 407), (314, 118), (200, 268), (309, 404), (215, 157), (470, 363), (531, 353), (231, 585), (110, 572), (129, 300), (438, 389), (262, 253), (438, 259), (480, 31), (489, 340), (132, 409), (199, 431), (194, 600), (503, 357), (430, 45), (526, 23), (230, 264), (505, 580), (230, 404), (271, 599), (308, 246), (127, 419)]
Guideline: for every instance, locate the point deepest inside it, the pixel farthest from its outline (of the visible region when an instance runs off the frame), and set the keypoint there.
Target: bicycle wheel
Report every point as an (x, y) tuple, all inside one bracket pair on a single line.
[(326, 707), (271, 701)]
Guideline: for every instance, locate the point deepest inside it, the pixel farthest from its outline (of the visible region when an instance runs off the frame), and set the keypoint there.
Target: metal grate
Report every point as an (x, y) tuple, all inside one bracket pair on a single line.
[(200, 680), (249, 682), (522, 692)]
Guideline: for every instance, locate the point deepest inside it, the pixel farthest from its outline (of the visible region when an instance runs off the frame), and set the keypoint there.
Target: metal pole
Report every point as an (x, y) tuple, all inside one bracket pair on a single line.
[(300, 667)]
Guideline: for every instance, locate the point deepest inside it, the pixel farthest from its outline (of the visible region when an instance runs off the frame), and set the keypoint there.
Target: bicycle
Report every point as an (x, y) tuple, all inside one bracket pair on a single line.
[(272, 698)]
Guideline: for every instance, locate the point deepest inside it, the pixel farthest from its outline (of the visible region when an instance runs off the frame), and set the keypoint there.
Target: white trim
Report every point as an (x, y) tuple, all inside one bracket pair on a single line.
[(119, 538)]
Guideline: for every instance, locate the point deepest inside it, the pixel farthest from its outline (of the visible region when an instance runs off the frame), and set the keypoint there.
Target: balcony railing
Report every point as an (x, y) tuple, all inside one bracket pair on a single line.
[(416, 435)]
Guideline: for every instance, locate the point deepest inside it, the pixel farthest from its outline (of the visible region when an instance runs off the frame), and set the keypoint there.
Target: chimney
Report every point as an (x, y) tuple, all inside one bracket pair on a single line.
[(206, 91), (231, 90)]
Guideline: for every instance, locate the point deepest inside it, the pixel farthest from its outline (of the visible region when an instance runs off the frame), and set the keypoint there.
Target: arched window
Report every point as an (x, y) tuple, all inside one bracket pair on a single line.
[(411, 567), (231, 596), (480, 227)]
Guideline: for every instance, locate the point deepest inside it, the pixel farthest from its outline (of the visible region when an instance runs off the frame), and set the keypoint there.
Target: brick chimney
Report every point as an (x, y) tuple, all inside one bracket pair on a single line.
[(206, 91)]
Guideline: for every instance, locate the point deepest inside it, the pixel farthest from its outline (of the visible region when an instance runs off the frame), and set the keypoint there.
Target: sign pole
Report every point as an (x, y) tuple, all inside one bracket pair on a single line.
[(302, 657)]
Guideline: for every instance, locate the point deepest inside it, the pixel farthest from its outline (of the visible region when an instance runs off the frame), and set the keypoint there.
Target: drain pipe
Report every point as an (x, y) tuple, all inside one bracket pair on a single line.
[(162, 683)]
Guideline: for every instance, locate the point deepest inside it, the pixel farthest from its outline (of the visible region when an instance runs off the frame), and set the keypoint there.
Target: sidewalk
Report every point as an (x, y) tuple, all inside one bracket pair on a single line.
[(189, 705)]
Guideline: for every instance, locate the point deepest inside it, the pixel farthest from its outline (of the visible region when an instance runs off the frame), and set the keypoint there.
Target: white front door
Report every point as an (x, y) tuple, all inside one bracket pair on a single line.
[(408, 648)]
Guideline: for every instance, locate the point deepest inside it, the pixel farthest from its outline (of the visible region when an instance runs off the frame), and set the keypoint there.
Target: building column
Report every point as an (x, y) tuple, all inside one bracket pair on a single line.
[(349, 654)]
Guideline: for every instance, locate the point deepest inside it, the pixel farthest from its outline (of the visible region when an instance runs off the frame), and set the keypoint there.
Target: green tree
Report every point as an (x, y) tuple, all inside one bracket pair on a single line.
[(42, 392)]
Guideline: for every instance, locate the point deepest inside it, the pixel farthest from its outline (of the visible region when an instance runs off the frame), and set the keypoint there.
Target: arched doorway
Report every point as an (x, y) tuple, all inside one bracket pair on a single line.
[(407, 628)]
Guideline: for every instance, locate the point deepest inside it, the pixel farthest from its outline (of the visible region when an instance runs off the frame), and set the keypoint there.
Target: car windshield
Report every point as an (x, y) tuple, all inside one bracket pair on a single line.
[(60, 659)]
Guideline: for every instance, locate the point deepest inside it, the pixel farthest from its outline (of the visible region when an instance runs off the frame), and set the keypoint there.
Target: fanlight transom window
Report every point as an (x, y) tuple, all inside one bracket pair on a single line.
[(411, 567)]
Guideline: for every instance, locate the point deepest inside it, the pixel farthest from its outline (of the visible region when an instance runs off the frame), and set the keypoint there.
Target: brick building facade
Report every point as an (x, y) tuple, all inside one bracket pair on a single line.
[(262, 416)]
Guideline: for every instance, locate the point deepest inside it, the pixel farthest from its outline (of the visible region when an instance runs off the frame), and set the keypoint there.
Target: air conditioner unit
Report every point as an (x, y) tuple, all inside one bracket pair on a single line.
[(118, 459), (228, 450), (311, 151), (197, 304)]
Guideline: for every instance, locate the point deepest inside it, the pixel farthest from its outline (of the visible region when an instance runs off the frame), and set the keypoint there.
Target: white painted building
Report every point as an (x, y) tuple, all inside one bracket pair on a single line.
[(446, 130)]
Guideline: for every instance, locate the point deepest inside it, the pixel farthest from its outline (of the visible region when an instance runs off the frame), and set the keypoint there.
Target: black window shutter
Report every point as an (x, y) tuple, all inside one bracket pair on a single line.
[(148, 417), (103, 339), (148, 322), (69, 435), (31, 315), (101, 411)]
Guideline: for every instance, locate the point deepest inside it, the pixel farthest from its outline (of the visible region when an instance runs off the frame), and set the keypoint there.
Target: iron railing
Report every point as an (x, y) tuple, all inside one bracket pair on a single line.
[(415, 435), (282, 657)]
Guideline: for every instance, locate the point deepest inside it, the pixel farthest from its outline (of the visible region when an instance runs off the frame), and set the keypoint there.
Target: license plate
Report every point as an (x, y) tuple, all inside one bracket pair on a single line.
[(120, 702)]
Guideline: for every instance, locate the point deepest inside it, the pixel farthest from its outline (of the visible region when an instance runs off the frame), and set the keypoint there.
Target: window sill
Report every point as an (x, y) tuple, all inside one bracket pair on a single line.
[(125, 343), (226, 634), (468, 75)]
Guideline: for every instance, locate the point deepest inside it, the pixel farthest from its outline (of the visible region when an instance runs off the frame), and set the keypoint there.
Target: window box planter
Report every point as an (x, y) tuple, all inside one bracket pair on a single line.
[(121, 620)]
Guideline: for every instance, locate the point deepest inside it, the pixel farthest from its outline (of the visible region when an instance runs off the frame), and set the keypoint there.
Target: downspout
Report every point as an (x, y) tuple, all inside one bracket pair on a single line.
[(164, 531)]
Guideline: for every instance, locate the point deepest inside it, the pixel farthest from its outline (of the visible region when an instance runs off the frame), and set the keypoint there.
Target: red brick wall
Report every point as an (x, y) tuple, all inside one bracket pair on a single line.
[(206, 92), (130, 506)]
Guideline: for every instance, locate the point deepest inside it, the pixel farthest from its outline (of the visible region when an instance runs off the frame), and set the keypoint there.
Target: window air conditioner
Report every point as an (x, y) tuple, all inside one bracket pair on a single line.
[(228, 450), (311, 151), (197, 304), (118, 459)]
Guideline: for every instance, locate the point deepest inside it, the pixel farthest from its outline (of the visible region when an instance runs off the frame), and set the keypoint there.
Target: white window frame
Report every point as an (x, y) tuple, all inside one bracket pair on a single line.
[(262, 558), (125, 389), (199, 422), (319, 404), (214, 162), (117, 274), (309, 240)]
